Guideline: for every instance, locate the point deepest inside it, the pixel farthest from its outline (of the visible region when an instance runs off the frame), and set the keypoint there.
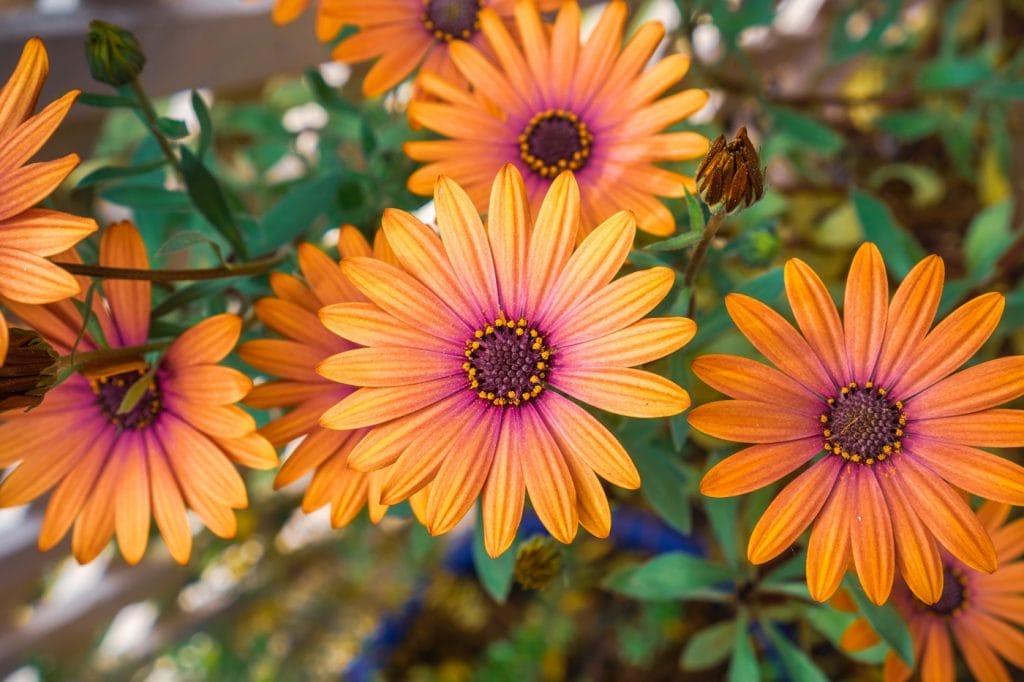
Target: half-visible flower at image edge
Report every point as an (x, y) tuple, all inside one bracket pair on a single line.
[(29, 235), (292, 313), (399, 34), (981, 611), (553, 104), (473, 346), (110, 470), (875, 392)]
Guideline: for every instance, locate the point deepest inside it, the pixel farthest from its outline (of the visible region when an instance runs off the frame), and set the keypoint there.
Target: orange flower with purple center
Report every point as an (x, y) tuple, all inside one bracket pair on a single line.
[(875, 392), (29, 235), (550, 104), (980, 612), (292, 313), (113, 462), (475, 346), (400, 35)]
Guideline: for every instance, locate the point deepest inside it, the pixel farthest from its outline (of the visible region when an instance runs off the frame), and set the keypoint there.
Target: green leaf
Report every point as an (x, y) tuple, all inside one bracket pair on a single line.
[(722, 513), (205, 124), (988, 237), (172, 127), (107, 173), (766, 287), (184, 240), (950, 73), (293, 215), (886, 622), (708, 647), (326, 96), (208, 197), (664, 484), (909, 126), (695, 212), (677, 243), (147, 197), (814, 134), (899, 247), (743, 666), (799, 667), (675, 575), (198, 291), (495, 574), (92, 99)]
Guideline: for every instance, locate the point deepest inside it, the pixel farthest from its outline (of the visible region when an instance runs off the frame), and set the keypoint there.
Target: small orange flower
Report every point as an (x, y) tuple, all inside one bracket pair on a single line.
[(399, 34), (29, 235), (981, 611), (551, 104), (874, 391), (111, 467), (472, 346), (292, 313)]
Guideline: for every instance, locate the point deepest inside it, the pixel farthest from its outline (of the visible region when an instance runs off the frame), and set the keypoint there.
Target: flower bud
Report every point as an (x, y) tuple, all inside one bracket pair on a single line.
[(758, 247), (731, 176), (538, 562), (28, 371), (114, 55)]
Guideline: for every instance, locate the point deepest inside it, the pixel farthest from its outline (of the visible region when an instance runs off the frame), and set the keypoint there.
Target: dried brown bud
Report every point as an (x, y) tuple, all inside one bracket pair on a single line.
[(731, 174), (28, 371), (538, 562)]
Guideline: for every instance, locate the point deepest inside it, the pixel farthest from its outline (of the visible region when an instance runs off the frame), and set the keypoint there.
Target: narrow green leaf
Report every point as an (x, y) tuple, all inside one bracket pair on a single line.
[(695, 212), (137, 391), (708, 647), (92, 99), (295, 213), (766, 287), (147, 197), (799, 667), (988, 237), (743, 667), (107, 173), (326, 96), (814, 134), (172, 127), (208, 197), (205, 124), (677, 243), (664, 484), (910, 125), (189, 294), (722, 513), (495, 574), (885, 620), (901, 250), (185, 240), (953, 73), (675, 575)]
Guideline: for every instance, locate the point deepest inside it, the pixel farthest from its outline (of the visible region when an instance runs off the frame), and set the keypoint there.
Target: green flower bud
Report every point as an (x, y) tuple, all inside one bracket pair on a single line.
[(114, 55), (538, 562)]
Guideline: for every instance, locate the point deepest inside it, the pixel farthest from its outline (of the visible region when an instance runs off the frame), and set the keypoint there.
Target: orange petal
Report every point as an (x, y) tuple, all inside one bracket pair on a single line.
[(26, 186), (462, 476), (548, 480), (27, 278), (944, 513), (951, 343), (385, 367), (71, 493), (749, 421), (817, 318), (298, 421), (396, 64), (314, 449), (828, 551), (917, 554), (865, 311), (287, 11), (874, 554), (423, 457), (485, 77), (20, 92), (131, 504), (636, 344), (122, 247), (372, 405), (28, 137), (45, 232), (629, 392), (207, 342), (95, 525), (291, 288), (295, 322), (982, 661), (282, 393), (508, 231), (757, 466), (976, 471), (591, 503), (223, 421), (368, 325), (199, 464), (910, 316), (937, 664), (168, 506), (534, 36), (614, 307), (779, 342), (251, 450), (5, 339), (859, 636), (283, 358), (976, 388), (792, 510), (747, 379), (324, 276), (211, 384), (553, 237), (43, 467), (465, 240), (988, 428), (504, 493)]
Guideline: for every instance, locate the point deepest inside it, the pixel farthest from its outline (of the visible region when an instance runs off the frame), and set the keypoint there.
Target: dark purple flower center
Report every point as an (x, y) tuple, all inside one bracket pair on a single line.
[(553, 141), (449, 20), (507, 362), (110, 395), (863, 425), (953, 596)]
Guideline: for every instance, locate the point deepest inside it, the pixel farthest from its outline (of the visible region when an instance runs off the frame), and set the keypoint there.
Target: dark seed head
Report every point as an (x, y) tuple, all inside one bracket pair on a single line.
[(554, 141), (507, 362), (449, 20)]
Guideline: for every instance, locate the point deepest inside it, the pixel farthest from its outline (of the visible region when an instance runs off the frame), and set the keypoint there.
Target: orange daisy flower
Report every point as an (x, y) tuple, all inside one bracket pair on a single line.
[(472, 346), (292, 313), (29, 235), (111, 467), (874, 392), (980, 611), (399, 34), (552, 104)]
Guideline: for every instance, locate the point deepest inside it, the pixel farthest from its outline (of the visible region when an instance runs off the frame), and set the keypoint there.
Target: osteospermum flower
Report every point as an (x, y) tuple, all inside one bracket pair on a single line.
[(399, 34), (550, 104), (292, 313), (981, 611), (473, 346), (111, 462), (29, 235), (875, 394)]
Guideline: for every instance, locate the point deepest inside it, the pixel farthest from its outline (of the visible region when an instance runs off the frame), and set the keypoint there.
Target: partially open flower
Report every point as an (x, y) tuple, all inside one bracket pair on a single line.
[(27, 372), (731, 174)]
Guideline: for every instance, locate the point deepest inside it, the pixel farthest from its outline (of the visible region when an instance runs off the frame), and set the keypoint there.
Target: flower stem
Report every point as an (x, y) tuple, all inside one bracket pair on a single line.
[(697, 258), (253, 267), (149, 113), (77, 362)]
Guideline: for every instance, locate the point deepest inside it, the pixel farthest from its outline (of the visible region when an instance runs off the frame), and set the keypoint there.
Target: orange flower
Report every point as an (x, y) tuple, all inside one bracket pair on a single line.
[(553, 104), (113, 466), (472, 346), (293, 315), (29, 235), (874, 391), (980, 610), (399, 34)]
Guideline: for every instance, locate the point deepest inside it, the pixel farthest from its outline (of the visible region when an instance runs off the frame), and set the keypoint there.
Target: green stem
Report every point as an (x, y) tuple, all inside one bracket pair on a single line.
[(253, 267), (697, 258), (81, 361), (149, 113)]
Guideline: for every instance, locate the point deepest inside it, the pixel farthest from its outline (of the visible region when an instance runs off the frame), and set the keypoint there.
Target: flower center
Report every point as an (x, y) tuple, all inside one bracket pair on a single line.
[(954, 594), (449, 20), (554, 141), (863, 425), (111, 391), (506, 362)]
